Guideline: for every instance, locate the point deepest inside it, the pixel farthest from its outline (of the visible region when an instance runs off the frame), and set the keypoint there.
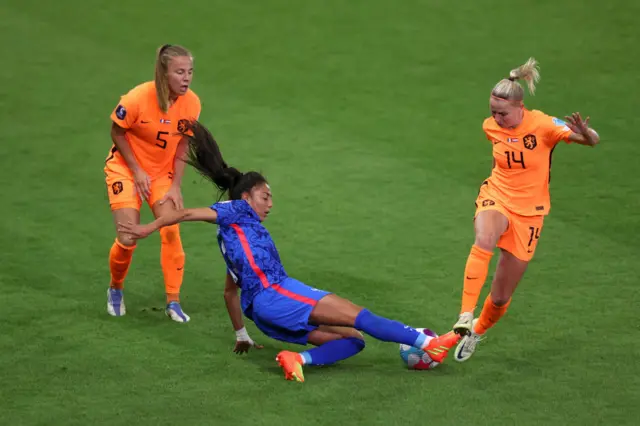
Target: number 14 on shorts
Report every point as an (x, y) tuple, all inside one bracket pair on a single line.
[(534, 236)]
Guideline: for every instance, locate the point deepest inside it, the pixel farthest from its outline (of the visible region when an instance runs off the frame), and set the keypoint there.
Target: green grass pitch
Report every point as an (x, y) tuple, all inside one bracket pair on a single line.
[(366, 116)]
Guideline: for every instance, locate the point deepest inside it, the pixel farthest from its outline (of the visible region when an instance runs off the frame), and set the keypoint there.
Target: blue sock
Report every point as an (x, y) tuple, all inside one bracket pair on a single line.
[(389, 331), (333, 351)]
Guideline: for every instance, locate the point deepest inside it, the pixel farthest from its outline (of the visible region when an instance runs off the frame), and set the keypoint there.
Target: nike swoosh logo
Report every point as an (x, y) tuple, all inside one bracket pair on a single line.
[(145, 122), (180, 269), (459, 352), (472, 278)]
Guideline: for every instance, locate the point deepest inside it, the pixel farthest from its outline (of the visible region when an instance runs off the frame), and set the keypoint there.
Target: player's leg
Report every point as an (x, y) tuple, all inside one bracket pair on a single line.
[(516, 250), (333, 344), (337, 311), (490, 224), (517, 247), (333, 310), (125, 207), (120, 257), (172, 257), (509, 272), (282, 312), (327, 333), (292, 311)]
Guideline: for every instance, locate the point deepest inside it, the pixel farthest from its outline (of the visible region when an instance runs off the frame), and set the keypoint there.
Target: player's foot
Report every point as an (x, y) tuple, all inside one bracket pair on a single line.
[(438, 348), (291, 363), (115, 302), (174, 311), (467, 345), (464, 325)]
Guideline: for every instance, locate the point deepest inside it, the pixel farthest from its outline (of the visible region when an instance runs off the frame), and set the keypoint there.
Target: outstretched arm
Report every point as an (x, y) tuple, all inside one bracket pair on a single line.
[(203, 214), (232, 300)]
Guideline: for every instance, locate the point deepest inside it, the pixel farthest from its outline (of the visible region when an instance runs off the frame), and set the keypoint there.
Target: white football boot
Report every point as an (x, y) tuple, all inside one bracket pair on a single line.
[(464, 325), (467, 345)]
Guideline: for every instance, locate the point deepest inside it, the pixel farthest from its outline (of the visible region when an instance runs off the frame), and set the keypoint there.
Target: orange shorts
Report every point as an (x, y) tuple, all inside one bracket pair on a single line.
[(122, 190), (521, 237)]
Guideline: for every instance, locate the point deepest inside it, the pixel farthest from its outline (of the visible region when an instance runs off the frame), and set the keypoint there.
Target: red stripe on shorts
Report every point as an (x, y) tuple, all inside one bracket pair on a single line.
[(294, 296)]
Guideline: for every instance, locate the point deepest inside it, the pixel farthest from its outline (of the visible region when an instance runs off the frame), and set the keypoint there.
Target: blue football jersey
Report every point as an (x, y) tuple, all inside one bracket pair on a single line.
[(248, 250)]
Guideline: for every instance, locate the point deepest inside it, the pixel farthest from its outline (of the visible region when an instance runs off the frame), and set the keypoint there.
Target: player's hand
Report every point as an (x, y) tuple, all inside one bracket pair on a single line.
[(243, 346), (175, 196), (142, 182), (136, 231), (577, 125)]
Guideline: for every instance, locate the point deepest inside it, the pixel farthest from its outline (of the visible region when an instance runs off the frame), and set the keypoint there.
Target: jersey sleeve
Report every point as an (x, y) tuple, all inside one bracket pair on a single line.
[(230, 212), (556, 130), (127, 111)]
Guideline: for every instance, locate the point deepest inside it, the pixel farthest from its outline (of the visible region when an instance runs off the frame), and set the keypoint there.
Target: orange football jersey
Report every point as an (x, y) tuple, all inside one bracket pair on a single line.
[(153, 134), (520, 178)]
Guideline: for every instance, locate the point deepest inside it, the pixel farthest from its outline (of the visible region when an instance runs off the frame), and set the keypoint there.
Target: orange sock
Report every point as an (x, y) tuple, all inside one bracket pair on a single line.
[(119, 261), (490, 315), (475, 274), (172, 261)]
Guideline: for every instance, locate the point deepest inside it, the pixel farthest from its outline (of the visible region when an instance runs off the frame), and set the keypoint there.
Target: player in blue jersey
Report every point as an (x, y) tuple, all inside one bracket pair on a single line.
[(281, 307)]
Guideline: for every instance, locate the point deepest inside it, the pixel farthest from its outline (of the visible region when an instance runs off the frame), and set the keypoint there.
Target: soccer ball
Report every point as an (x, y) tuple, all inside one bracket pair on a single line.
[(417, 359)]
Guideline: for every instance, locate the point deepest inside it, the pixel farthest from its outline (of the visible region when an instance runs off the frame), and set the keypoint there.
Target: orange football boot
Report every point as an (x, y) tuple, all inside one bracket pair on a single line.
[(438, 348), (291, 363)]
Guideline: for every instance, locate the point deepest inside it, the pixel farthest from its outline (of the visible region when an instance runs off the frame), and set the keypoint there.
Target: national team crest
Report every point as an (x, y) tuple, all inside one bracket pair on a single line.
[(117, 188), (530, 141), (182, 125), (121, 112)]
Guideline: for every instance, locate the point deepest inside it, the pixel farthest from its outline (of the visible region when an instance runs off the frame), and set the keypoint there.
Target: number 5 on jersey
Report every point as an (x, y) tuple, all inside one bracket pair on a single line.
[(159, 138)]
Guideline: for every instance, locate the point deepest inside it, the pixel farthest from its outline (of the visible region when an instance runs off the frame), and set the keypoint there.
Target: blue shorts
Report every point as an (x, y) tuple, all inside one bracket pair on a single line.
[(282, 311)]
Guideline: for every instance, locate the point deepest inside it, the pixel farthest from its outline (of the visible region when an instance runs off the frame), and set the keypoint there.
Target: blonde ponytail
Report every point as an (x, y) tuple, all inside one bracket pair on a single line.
[(510, 89)]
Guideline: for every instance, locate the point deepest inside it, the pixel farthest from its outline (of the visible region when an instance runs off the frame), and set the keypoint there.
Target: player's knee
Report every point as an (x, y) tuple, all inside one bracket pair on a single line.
[(500, 299), (126, 240), (170, 234), (359, 336), (487, 240), (358, 342), (352, 333)]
